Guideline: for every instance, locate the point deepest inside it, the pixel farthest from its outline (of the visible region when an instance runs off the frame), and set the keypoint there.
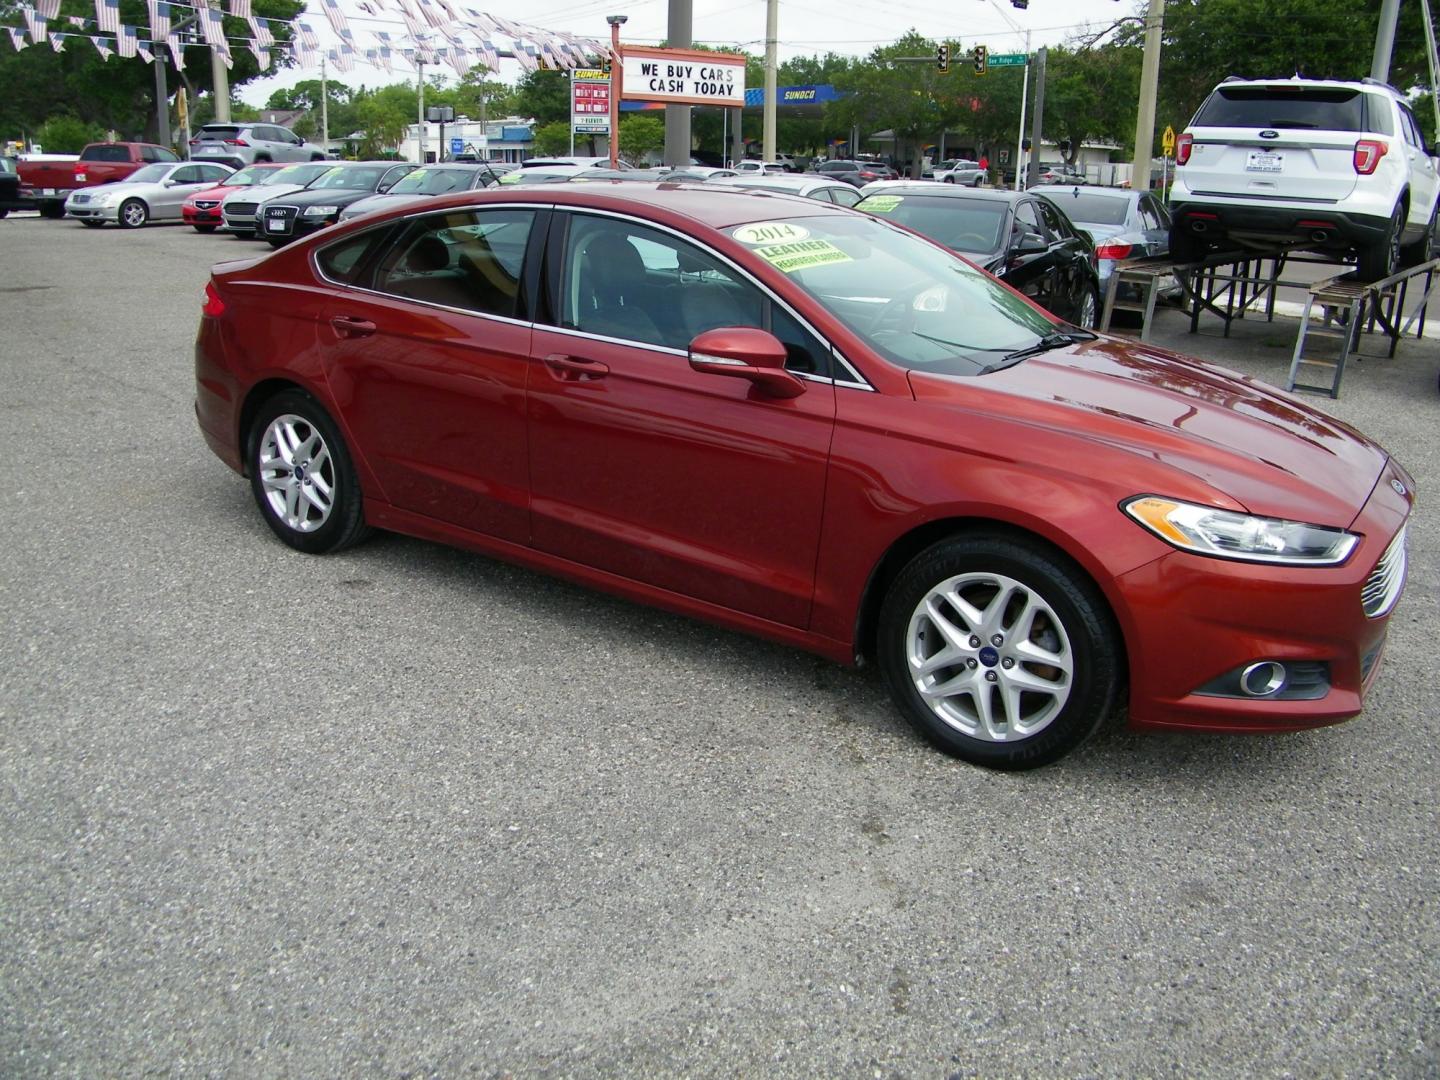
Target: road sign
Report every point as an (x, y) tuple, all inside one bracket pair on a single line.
[(457, 146), (1013, 59), (590, 101), (1167, 141)]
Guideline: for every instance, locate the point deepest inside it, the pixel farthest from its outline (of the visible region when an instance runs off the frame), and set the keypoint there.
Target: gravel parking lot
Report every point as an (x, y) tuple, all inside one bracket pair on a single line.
[(408, 811)]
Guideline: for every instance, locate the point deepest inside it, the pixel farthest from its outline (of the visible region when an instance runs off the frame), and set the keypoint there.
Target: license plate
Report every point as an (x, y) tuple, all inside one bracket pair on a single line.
[(1262, 161), (276, 225)]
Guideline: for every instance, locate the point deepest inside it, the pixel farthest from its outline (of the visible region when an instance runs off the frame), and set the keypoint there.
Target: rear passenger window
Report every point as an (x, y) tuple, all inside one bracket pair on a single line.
[(342, 262), (1378, 119), (469, 260)]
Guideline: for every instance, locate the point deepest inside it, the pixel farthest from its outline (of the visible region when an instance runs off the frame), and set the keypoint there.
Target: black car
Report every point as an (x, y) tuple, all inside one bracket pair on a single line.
[(10, 188), (318, 204), (1025, 240)]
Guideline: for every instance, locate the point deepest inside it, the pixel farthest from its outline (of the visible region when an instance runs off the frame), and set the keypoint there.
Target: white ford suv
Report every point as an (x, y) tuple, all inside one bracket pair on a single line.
[(1339, 167)]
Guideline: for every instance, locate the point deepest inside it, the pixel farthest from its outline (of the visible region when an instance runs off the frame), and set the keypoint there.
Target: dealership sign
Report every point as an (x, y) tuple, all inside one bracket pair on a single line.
[(683, 76), (590, 101)]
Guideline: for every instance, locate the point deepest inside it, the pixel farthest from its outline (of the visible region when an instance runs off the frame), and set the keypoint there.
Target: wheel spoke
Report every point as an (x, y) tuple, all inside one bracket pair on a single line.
[(966, 610), (949, 656), (1024, 679), (955, 636)]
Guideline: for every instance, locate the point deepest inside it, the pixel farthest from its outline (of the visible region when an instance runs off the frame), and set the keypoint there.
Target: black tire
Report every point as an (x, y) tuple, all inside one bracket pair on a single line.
[(1185, 246), (949, 179), (205, 229), (317, 157), (1382, 258), (4, 212), (133, 214), (52, 210), (297, 485), (89, 224), (1092, 321), (1424, 249), (1074, 624), (262, 159)]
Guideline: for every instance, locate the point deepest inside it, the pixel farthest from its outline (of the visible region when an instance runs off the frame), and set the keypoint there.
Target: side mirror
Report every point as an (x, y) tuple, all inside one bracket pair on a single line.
[(1030, 243), (747, 353)]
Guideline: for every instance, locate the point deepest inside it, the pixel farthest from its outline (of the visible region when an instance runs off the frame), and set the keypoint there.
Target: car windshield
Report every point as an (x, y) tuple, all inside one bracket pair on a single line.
[(300, 174), (348, 178), (431, 182), (917, 305), (1087, 208), (251, 177), (150, 174), (969, 225)]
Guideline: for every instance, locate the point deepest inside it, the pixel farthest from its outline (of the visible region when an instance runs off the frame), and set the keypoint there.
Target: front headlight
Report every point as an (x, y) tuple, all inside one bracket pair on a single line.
[(1207, 530), (321, 211)]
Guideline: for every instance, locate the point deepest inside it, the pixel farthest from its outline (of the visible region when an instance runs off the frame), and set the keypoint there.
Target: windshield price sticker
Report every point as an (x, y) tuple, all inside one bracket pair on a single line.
[(770, 232), (883, 204), (801, 255)]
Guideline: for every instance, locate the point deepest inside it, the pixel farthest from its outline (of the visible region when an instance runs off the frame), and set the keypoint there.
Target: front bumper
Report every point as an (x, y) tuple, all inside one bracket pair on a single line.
[(197, 215), (89, 211), (1192, 620)]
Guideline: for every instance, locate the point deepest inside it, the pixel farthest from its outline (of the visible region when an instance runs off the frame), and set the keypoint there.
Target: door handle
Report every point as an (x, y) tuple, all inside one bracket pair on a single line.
[(350, 326), (575, 368)]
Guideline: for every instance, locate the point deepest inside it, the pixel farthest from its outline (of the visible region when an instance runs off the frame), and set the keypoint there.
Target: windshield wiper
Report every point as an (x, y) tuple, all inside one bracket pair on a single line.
[(1045, 344)]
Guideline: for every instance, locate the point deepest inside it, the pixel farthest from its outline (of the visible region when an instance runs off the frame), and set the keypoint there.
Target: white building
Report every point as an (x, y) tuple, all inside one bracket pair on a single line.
[(508, 139)]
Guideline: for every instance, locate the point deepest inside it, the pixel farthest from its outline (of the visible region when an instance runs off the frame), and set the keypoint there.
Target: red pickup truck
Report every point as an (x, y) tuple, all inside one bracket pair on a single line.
[(47, 184)]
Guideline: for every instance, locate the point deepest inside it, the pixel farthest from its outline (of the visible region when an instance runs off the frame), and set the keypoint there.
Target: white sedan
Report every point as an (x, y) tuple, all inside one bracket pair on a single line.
[(152, 193)]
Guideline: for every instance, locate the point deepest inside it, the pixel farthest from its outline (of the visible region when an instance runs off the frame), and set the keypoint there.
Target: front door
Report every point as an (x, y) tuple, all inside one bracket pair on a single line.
[(693, 483)]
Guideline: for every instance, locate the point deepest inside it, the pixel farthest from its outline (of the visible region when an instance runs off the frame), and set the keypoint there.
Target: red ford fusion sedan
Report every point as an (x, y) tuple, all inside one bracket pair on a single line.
[(809, 424)]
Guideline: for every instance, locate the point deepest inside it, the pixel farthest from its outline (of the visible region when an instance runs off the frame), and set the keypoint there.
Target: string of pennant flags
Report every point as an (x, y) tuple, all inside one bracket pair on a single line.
[(437, 32)]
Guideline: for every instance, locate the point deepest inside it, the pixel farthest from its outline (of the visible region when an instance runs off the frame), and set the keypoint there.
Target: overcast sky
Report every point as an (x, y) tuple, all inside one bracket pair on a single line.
[(806, 27)]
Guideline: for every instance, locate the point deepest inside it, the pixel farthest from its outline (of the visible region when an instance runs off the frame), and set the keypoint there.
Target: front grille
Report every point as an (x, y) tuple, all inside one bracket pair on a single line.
[(1383, 586), (81, 197), (279, 219), (206, 205), (242, 209)]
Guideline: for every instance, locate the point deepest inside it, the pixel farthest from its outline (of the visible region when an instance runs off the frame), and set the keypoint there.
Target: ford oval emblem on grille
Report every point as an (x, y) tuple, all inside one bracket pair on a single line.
[(1269, 134), (1398, 486)]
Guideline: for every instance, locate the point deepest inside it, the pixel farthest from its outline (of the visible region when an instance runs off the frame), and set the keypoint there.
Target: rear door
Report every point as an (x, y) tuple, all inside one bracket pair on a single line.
[(1154, 224), (1288, 142)]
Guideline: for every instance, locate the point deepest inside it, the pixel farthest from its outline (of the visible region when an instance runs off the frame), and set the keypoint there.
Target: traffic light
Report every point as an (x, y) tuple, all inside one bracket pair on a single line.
[(942, 57), (981, 57)]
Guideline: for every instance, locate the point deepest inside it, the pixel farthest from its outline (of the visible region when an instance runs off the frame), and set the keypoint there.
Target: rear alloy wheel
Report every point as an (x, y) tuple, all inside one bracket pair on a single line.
[(133, 214), (301, 476), (999, 651), (1382, 258), (1424, 249)]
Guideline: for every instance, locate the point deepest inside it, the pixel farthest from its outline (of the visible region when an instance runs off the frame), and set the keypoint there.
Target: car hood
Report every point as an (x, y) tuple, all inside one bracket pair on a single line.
[(1246, 440), (260, 194), (326, 197), (383, 202)]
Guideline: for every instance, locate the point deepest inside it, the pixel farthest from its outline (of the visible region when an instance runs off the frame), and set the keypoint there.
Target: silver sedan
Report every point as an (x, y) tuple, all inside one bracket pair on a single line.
[(152, 193)]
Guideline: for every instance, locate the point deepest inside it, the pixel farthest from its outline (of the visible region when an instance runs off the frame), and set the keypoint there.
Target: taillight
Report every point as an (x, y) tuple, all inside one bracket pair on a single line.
[(195, 141), (213, 305), (236, 142), (1368, 153), (1114, 251), (1182, 148)]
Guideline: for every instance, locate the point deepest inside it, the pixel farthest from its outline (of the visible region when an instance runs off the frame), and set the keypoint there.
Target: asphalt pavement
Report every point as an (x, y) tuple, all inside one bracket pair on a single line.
[(407, 811)]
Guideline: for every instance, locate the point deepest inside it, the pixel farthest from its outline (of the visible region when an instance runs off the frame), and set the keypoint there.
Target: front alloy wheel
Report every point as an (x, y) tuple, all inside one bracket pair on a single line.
[(133, 214), (999, 650)]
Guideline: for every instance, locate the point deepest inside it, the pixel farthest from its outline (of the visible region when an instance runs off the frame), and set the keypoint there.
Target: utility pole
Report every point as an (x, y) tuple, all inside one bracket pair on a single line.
[(162, 100), (1385, 40), (677, 117), (420, 118), (220, 79), (1020, 138), (1037, 125), (324, 109), (617, 84), (772, 31), (1149, 86)]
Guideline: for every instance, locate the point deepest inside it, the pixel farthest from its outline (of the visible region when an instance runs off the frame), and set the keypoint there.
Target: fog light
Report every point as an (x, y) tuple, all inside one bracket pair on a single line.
[(1263, 679)]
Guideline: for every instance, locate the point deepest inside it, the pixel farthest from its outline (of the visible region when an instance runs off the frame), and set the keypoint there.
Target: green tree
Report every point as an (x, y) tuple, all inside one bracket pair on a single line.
[(640, 135), (544, 95), (381, 123), (306, 94), (552, 139), (66, 135), (1091, 93)]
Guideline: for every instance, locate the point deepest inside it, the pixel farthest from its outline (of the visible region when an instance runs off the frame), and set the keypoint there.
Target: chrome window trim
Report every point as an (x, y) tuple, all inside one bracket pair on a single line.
[(858, 383)]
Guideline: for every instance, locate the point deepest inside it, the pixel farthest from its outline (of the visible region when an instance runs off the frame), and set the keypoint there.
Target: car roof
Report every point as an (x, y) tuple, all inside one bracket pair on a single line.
[(714, 205), (797, 181), (1297, 81), (949, 191), (1090, 189)]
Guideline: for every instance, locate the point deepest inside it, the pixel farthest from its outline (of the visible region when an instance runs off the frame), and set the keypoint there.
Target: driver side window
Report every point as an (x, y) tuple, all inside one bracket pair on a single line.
[(1026, 220)]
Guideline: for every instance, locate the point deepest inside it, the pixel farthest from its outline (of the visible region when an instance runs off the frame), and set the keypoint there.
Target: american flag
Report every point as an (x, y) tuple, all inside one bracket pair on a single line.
[(212, 26), (177, 51), (17, 37), (307, 35), (57, 41), (100, 43), (337, 19), (240, 8), (36, 24), (459, 60), (159, 19), (107, 16), (261, 30), (127, 41), (262, 55), (48, 9), (145, 54)]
